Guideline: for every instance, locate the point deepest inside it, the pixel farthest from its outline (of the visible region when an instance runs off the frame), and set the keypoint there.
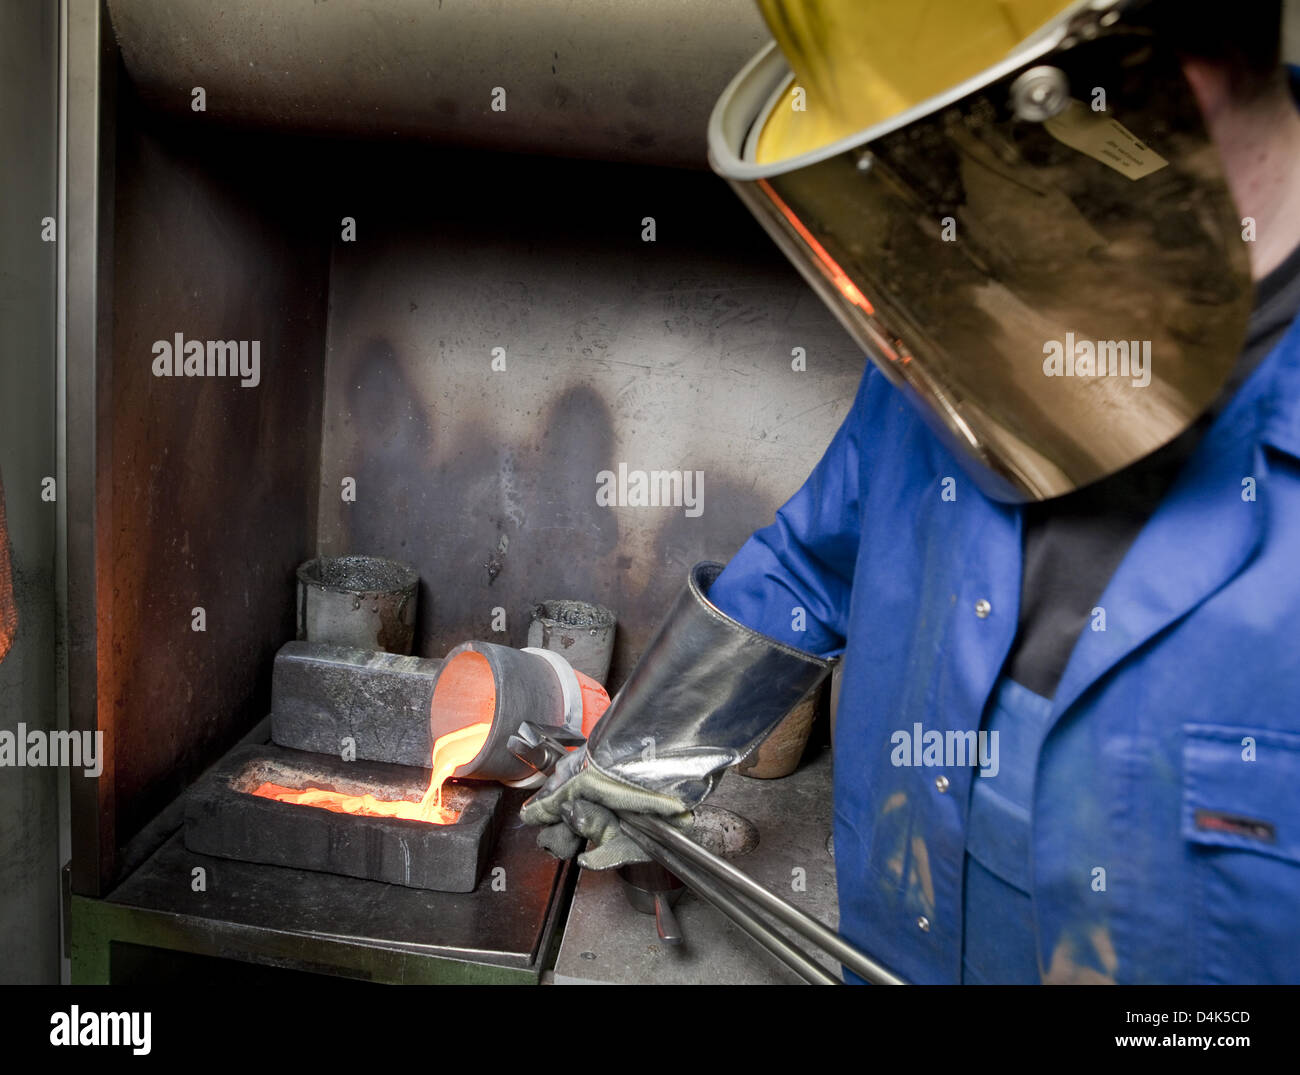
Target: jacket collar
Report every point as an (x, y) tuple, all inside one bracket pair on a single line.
[(1179, 559), (1280, 410)]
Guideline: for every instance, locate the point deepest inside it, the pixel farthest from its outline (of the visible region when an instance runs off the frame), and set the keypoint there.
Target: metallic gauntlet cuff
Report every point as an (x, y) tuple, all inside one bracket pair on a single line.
[(705, 693)]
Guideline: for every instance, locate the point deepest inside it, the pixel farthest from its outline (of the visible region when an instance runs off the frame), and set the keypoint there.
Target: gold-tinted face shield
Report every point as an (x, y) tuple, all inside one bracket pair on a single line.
[(1044, 257)]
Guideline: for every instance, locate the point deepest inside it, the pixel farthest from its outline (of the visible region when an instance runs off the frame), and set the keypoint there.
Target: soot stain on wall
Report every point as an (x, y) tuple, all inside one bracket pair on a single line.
[(504, 519)]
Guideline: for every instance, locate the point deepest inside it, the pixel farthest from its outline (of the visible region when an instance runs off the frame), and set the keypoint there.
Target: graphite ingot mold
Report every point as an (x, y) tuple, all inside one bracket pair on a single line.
[(224, 819)]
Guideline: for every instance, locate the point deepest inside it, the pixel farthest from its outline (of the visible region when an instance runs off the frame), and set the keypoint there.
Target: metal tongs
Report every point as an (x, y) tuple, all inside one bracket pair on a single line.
[(745, 901), (731, 891)]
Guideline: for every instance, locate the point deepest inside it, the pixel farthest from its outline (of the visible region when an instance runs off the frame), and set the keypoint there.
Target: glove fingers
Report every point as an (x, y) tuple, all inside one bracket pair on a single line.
[(578, 803), (591, 820), (616, 851), (560, 840), (543, 808), (540, 811), (611, 845)]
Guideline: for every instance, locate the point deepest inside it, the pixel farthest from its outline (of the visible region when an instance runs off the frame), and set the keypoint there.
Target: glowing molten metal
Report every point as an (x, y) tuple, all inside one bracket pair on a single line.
[(466, 696), (450, 751)]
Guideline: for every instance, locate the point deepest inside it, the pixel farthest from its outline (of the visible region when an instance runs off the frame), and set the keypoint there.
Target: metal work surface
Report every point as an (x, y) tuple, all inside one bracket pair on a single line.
[(620, 79), (326, 923), (605, 940)]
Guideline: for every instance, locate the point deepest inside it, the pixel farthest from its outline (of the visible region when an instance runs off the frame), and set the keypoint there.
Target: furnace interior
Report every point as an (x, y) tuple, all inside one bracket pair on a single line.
[(376, 365)]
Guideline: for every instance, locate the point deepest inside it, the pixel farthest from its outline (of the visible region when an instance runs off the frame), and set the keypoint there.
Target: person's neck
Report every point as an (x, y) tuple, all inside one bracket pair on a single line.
[(1259, 143)]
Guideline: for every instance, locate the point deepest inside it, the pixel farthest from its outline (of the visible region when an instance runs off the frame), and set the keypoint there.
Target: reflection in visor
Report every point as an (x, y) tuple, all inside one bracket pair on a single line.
[(988, 260), (847, 287)]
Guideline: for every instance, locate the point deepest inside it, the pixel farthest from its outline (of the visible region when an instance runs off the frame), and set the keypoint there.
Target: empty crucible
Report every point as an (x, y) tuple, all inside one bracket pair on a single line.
[(361, 601), (580, 631)]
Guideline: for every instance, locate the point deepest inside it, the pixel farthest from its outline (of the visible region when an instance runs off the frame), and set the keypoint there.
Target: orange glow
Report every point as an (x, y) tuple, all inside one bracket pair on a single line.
[(840, 278), (465, 695), (595, 700), (450, 751), (465, 692)]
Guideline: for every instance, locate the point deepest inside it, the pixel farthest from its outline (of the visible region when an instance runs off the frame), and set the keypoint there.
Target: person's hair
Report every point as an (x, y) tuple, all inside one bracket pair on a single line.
[(1244, 39)]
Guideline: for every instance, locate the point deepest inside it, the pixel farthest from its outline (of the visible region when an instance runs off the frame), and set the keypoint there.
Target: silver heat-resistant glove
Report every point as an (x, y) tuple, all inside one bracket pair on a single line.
[(706, 692)]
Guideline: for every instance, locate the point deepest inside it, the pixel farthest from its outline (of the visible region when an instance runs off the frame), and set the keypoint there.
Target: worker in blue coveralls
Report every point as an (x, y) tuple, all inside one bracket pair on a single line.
[(1056, 540)]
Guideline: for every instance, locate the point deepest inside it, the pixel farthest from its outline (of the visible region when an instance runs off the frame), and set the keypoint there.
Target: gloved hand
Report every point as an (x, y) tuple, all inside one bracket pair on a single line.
[(705, 693), (577, 802)]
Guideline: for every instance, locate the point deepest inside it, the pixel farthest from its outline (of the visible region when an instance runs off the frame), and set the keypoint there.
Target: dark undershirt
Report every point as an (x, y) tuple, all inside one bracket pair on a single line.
[(1074, 543)]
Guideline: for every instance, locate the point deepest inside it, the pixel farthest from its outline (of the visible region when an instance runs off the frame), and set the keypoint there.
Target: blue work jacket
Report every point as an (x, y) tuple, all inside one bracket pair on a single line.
[(1165, 821)]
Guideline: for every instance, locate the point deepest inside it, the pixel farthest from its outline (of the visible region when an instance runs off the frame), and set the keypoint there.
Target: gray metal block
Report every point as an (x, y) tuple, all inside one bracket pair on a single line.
[(323, 695), (224, 819)]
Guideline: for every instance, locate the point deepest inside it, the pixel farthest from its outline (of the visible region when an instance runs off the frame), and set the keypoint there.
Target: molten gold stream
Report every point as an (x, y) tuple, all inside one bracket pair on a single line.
[(450, 751)]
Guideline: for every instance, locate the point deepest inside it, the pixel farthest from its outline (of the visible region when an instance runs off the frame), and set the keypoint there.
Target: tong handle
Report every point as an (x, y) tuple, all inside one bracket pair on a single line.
[(666, 922)]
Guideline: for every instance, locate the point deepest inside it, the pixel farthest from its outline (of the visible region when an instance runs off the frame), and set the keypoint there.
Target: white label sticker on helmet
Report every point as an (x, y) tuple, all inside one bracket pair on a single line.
[(1104, 139)]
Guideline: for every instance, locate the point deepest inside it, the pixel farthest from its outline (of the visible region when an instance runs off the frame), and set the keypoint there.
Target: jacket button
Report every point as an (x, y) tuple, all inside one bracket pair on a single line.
[(982, 609), (923, 924), (941, 782)]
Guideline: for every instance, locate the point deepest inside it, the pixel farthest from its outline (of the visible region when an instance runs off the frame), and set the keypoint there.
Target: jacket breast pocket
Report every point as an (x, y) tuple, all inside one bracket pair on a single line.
[(1241, 823)]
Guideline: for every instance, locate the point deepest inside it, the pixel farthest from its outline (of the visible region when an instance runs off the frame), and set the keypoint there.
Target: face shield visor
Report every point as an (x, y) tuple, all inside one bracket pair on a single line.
[(1044, 256)]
